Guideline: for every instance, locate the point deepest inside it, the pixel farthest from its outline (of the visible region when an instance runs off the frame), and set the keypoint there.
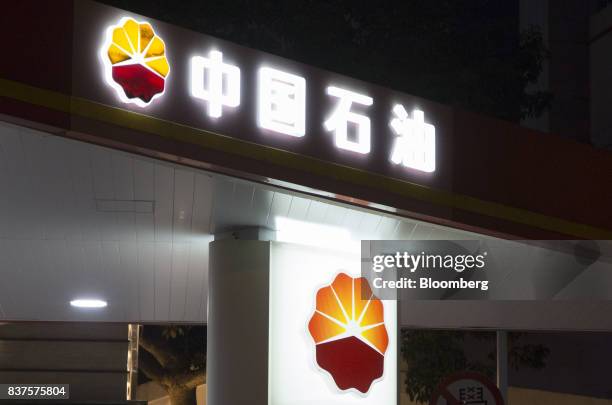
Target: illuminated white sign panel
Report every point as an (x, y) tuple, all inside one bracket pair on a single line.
[(341, 117), (208, 76), (415, 146), (282, 102), (136, 65), (303, 366)]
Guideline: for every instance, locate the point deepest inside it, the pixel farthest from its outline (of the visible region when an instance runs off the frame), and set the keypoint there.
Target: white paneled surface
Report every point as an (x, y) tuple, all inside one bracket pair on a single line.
[(78, 220)]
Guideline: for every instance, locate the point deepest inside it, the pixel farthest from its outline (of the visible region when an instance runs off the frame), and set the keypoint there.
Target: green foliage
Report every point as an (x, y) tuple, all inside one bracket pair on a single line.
[(527, 355), (432, 355), (530, 62), (463, 53)]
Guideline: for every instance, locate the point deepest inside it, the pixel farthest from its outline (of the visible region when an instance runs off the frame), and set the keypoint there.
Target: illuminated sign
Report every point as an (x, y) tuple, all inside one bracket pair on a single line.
[(211, 89), (135, 62), (328, 343), (282, 102), (228, 90), (348, 328), (342, 115), (415, 145)]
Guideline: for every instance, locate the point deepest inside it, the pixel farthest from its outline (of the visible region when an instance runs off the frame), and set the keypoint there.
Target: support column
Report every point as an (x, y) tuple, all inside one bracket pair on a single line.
[(261, 349), (502, 364), (237, 350)]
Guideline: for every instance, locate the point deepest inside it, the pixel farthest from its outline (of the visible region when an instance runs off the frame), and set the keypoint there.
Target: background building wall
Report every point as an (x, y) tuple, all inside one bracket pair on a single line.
[(565, 28), (568, 32), (535, 14), (600, 41)]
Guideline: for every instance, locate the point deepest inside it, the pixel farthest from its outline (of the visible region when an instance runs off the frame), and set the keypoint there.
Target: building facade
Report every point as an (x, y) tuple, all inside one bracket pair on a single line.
[(179, 178)]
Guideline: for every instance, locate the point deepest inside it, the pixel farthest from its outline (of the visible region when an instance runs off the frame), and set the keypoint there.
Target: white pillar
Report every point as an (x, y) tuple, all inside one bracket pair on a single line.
[(237, 350), (260, 348)]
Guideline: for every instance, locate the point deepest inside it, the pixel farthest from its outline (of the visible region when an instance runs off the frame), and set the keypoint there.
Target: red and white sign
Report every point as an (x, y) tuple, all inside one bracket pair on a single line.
[(466, 388), (351, 360)]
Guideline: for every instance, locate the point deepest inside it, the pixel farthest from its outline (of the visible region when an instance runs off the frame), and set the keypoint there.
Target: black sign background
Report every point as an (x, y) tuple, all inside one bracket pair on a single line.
[(177, 104)]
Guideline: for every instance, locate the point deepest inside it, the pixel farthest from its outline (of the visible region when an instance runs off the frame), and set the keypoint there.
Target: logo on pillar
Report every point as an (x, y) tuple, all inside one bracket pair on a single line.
[(349, 332), (135, 62)]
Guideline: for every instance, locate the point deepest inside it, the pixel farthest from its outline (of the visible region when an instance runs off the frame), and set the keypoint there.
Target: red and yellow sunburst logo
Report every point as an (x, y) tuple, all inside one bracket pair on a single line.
[(135, 61), (348, 329)]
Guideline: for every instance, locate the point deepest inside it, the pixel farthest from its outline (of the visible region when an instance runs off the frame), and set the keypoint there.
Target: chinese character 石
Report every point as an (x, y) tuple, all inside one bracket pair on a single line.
[(339, 119), (415, 145), (472, 396), (282, 102), (216, 82)]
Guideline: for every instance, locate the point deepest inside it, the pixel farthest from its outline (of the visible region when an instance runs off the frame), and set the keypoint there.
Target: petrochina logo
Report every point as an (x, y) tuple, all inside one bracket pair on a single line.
[(349, 333), (135, 61)]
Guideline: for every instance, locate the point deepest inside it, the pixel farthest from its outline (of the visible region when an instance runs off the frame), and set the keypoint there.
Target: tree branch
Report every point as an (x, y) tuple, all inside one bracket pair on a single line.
[(150, 367), (191, 379), (164, 355)]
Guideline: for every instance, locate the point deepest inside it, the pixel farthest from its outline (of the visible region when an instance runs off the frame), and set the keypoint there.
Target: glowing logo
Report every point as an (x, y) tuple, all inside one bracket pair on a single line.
[(135, 62), (349, 333)]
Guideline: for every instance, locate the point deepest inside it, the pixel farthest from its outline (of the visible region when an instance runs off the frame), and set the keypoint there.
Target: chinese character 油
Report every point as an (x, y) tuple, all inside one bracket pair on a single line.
[(415, 146)]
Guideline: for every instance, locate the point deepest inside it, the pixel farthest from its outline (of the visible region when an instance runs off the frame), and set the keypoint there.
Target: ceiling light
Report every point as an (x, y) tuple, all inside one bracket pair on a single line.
[(314, 234), (88, 303)]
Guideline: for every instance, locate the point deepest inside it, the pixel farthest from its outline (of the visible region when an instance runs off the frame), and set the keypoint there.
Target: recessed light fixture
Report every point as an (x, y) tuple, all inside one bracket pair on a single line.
[(88, 303), (314, 234)]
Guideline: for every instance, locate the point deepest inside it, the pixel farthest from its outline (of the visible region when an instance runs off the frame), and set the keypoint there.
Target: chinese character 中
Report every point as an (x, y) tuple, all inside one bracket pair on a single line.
[(216, 82)]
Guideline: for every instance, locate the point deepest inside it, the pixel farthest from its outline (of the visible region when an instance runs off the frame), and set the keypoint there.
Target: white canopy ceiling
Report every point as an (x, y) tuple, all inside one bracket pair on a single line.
[(79, 220)]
